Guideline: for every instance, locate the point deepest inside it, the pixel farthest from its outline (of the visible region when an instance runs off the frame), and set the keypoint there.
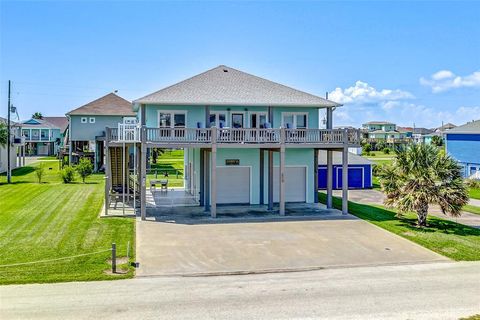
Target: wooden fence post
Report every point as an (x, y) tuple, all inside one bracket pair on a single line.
[(114, 258)]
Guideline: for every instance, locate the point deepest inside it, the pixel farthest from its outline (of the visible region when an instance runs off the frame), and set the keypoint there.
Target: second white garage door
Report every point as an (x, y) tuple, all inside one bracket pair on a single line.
[(233, 185), (295, 184)]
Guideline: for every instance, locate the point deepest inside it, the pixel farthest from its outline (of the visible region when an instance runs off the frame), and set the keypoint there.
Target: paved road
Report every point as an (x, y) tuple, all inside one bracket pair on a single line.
[(423, 291), (370, 196)]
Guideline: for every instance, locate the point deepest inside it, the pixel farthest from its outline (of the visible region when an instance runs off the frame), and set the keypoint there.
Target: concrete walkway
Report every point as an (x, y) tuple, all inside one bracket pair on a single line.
[(235, 246), (370, 196), (474, 202), (424, 291)]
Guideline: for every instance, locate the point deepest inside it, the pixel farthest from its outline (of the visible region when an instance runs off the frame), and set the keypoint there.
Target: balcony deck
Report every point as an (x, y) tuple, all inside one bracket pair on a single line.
[(234, 138)]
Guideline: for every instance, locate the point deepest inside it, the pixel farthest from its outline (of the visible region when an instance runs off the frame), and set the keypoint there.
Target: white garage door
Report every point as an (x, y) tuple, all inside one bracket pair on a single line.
[(233, 184), (295, 184)]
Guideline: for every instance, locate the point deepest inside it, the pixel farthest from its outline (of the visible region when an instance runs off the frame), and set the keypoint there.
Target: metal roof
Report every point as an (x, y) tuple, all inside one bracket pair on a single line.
[(337, 158), (108, 105), (230, 87)]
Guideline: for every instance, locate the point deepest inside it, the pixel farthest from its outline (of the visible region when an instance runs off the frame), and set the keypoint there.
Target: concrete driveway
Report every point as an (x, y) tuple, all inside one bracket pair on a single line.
[(248, 247), (370, 196)]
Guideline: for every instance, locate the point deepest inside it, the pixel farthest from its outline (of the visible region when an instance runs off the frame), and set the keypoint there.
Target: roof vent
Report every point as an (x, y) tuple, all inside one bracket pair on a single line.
[(225, 70)]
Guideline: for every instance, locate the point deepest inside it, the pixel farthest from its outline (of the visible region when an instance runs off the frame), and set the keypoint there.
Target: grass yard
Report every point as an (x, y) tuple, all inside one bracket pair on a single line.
[(171, 161), (453, 240), (471, 209), (54, 220), (474, 193)]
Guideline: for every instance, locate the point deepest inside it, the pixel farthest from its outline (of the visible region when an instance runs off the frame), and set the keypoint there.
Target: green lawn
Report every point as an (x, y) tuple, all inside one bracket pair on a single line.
[(471, 209), (474, 193), (453, 240), (54, 220), (171, 161)]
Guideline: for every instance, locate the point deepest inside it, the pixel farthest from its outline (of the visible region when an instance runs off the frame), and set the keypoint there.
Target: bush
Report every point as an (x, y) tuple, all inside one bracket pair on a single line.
[(84, 168), (380, 145), (367, 147), (472, 183), (67, 174), (39, 171), (386, 150)]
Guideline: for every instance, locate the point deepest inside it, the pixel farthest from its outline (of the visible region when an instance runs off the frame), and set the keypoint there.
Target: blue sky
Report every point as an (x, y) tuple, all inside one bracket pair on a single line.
[(407, 62)]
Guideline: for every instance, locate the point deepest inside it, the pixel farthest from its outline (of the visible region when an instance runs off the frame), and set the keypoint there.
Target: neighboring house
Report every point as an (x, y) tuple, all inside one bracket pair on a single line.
[(359, 171), (87, 127), (463, 143), (415, 134), (247, 140), (376, 131), (440, 132), (15, 148), (43, 137)]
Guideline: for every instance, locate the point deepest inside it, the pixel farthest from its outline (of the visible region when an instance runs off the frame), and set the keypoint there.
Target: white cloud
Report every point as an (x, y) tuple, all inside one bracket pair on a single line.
[(444, 80), (363, 92)]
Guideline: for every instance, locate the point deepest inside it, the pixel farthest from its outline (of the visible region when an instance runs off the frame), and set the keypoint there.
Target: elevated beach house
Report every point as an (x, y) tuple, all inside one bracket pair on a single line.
[(44, 137), (463, 143), (87, 127), (247, 141)]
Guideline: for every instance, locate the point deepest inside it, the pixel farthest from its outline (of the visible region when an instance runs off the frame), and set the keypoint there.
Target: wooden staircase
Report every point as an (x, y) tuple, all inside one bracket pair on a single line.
[(116, 162)]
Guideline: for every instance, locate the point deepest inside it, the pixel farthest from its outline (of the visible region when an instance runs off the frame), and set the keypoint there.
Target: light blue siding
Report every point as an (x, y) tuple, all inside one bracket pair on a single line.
[(88, 131)]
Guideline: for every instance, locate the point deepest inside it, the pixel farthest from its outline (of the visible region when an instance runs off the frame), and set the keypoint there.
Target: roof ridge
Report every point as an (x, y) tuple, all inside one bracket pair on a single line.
[(93, 101)]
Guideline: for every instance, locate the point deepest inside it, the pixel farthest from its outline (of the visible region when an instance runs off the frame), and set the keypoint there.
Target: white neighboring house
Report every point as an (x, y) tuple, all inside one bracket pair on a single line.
[(16, 142)]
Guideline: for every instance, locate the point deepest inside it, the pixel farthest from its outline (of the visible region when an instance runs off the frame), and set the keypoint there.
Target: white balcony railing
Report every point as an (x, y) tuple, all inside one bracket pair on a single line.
[(132, 133)]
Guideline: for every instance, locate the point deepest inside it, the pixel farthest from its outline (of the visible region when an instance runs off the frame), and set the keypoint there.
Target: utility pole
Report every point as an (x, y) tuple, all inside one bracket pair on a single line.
[(9, 169)]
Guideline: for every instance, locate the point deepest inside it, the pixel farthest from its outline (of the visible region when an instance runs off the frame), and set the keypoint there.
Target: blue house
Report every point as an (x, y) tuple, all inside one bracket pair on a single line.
[(246, 140), (44, 137), (359, 171), (463, 143)]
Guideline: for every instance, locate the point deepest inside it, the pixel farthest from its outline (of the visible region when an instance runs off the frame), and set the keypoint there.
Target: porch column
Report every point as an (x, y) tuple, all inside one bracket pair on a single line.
[(206, 176), (315, 175), (107, 170), (143, 174), (329, 126), (281, 182), (95, 164), (262, 175), (213, 185), (270, 180), (202, 177), (345, 174)]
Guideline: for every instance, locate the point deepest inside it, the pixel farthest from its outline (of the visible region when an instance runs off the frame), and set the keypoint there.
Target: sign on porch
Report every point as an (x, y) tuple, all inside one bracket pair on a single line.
[(232, 162)]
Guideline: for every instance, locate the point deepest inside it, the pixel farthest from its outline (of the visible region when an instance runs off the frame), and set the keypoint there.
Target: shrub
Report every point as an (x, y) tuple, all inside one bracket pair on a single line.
[(67, 174), (367, 147), (472, 183), (39, 171), (84, 168), (386, 150)]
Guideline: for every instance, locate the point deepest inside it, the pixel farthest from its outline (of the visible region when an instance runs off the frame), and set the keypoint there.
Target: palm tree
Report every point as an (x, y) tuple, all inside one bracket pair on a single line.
[(37, 115), (420, 176)]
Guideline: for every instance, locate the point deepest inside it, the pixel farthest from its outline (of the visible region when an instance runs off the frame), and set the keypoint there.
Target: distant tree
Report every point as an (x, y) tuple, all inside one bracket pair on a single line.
[(437, 141), (37, 115), (84, 168), (155, 153), (422, 175), (3, 134), (39, 171)]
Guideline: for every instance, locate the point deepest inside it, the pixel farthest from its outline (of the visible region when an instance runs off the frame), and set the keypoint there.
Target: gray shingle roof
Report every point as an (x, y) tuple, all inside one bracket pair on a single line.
[(109, 105), (60, 122), (227, 86), (378, 123), (42, 123), (469, 127)]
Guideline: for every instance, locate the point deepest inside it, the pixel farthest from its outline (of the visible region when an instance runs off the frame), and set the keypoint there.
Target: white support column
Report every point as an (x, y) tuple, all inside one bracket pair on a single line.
[(213, 182), (329, 126), (329, 179), (345, 174), (143, 174), (281, 176), (270, 180), (108, 175)]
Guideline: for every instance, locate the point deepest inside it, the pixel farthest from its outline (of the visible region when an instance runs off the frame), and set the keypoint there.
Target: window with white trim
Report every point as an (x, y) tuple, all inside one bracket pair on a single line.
[(218, 119), (91, 120), (295, 120), (172, 119), (83, 119)]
